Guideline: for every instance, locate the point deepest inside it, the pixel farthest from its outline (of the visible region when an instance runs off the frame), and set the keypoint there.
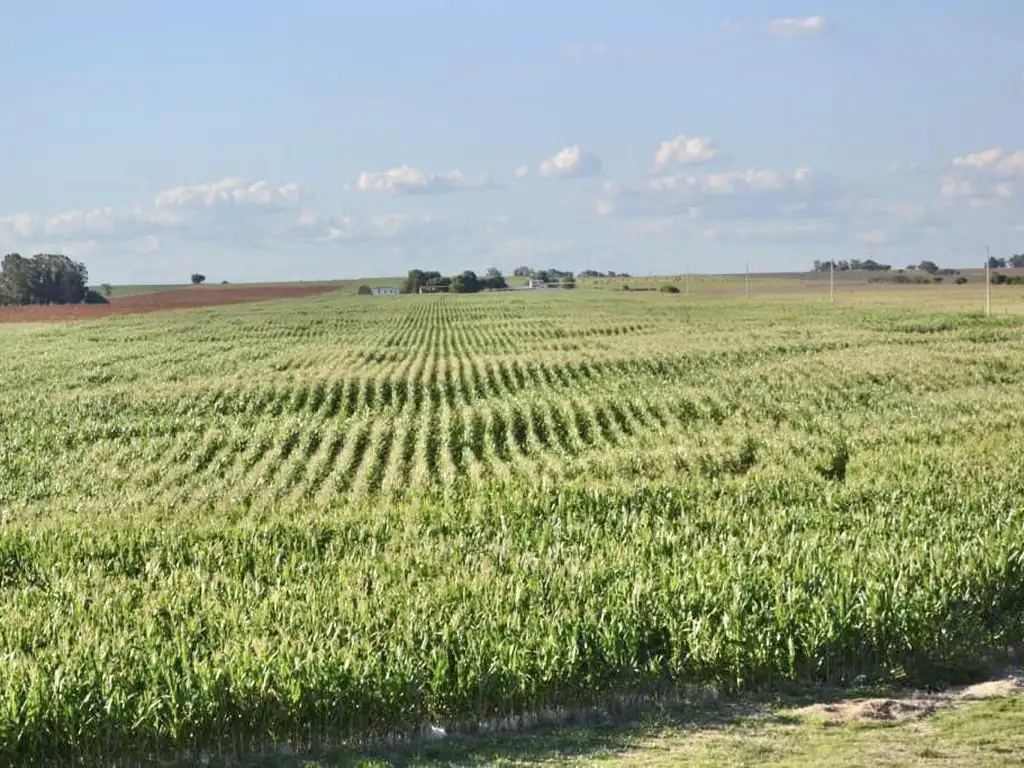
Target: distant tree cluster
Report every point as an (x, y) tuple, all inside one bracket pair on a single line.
[(1014, 262), (902, 278), (932, 269), (590, 273), (851, 265), (998, 278), (558, 275), (45, 278), (466, 282)]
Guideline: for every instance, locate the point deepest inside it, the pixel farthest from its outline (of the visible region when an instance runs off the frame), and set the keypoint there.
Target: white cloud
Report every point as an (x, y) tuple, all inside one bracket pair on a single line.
[(230, 192), (522, 171), (98, 222), (684, 150), (404, 179), (979, 159), (983, 178), (231, 211), (751, 193), (571, 162), (792, 28), (730, 25), (1012, 164)]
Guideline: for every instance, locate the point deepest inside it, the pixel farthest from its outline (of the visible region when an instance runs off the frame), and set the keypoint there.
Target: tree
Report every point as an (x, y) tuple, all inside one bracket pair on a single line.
[(15, 280), (198, 279), (523, 271), (568, 281), (494, 283), (467, 282), (994, 263), (1017, 261), (46, 278), (928, 266), (493, 280), (107, 289)]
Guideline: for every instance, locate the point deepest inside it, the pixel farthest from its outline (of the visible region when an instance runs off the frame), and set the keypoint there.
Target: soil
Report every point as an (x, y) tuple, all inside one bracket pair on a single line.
[(914, 706), (160, 301)]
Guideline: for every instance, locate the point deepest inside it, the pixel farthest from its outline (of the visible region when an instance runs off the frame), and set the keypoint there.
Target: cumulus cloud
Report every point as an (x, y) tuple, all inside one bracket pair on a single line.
[(406, 180), (232, 211), (94, 223), (734, 193), (230, 193), (995, 160), (684, 150), (571, 162), (983, 178), (316, 228), (978, 159), (793, 28)]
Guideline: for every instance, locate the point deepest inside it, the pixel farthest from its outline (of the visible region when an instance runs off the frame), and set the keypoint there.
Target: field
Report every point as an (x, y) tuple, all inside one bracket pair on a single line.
[(303, 521), (134, 300)]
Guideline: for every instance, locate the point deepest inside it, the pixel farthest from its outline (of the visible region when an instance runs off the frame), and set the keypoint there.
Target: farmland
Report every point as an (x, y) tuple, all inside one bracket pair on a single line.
[(134, 300), (300, 521)]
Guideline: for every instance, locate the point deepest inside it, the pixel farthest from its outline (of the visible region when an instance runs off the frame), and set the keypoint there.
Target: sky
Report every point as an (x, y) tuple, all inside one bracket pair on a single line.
[(309, 140)]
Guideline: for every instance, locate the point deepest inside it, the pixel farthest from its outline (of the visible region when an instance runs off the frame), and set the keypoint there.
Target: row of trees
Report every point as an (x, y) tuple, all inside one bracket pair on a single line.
[(851, 265), (1015, 262), (596, 273), (556, 275), (46, 278), (466, 282)]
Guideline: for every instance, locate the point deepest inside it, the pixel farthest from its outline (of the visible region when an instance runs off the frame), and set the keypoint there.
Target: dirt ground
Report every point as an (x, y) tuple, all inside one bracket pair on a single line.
[(914, 706), (160, 301)]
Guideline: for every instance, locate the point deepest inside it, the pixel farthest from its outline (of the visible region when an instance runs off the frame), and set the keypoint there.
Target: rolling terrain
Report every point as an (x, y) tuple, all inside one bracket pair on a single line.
[(302, 521)]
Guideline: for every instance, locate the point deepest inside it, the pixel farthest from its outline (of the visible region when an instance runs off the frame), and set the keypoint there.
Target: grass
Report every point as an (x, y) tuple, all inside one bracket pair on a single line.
[(305, 521), (984, 733)]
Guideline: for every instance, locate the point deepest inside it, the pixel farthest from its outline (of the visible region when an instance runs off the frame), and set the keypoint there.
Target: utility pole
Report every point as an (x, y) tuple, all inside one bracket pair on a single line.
[(988, 285)]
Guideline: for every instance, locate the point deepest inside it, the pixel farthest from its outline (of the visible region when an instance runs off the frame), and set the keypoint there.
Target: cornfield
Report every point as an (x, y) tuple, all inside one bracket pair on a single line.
[(298, 522)]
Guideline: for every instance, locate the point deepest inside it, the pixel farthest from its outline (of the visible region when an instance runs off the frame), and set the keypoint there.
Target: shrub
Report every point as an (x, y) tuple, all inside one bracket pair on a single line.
[(92, 296), (961, 280), (365, 290), (669, 289)]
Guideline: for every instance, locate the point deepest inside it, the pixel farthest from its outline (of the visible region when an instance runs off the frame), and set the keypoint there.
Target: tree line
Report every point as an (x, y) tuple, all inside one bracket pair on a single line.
[(555, 275), (1014, 262), (466, 282), (852, 265), (45, 278)]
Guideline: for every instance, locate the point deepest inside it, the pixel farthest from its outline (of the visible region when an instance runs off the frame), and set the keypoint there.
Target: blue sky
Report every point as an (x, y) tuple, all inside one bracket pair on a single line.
[(305, 140)]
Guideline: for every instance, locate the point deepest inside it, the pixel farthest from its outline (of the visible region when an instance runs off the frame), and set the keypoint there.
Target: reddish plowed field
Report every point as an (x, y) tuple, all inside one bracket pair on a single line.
[(160, 301)]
